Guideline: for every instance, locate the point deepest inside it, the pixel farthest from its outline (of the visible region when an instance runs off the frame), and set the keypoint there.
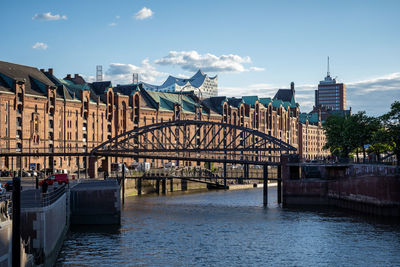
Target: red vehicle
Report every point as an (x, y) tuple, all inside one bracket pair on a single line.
[(60, 178)]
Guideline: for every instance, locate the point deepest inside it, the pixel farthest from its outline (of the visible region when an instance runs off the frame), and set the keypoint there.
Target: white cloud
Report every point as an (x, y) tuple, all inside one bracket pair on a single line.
[(117, 17), (122, 73), (49, 16), (144, 13), (256, 69), (40, 46), (371, 95), (192, 61), (112, 24)]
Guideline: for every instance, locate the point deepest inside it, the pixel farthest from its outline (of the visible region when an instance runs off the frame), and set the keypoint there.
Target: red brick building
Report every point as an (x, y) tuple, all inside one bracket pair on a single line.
[(39, 112)]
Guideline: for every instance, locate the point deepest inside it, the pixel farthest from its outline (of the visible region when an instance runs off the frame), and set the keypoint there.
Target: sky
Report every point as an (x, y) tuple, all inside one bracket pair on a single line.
[(255, 47)]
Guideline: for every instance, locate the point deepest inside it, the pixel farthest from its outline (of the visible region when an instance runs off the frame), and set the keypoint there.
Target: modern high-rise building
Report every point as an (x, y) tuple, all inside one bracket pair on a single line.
[(330, 94)]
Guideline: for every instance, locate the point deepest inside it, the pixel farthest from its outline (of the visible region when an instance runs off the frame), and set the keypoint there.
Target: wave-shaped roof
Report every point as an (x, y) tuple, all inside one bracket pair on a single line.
[(196, 81)]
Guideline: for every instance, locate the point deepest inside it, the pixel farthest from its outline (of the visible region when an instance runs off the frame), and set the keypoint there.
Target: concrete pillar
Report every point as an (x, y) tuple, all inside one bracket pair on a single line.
[(225, 175), (93, 166), (163, 186), (106, 165), (171, 185), (279, 187), (285, 175), (158, 186), (265, 188), (139, 186), (183, 185)]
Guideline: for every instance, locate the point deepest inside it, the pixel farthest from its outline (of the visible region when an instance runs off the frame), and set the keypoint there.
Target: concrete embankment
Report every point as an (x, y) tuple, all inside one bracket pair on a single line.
[(96, 202), (368, 189), (136, 186), (249, 186)]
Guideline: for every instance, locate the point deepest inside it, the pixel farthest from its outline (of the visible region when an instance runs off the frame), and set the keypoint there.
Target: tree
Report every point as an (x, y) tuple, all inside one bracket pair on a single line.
[(339, 136), (380, 142), (391, 122), (363, 129), (349, 133)]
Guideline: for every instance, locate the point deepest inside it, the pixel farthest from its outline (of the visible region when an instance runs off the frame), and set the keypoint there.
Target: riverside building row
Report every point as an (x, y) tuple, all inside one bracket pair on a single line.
[(40, 112)]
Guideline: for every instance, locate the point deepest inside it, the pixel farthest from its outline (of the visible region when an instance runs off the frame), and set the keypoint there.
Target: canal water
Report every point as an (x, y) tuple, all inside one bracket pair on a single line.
[(232, 228)]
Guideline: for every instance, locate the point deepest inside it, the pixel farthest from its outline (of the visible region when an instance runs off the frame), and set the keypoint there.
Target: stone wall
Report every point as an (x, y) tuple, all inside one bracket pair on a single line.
[(44, 229), (370, 189), (96, 203)]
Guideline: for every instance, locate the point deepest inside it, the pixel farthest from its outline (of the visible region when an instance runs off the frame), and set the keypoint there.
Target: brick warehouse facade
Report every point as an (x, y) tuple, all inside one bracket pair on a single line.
[(39, 111)]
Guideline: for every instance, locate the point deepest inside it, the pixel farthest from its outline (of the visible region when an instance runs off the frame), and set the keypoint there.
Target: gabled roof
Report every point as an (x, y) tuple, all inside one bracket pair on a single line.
[(62, 90), (312, 118), (100, 87), (35, 80), (166, 101), (235, 102), (265, 101), (215, 103), (277, 103), (250, 100)]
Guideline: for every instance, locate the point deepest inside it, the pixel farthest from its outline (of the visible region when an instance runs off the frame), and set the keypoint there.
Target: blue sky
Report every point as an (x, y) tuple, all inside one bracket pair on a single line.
[(255, 47)]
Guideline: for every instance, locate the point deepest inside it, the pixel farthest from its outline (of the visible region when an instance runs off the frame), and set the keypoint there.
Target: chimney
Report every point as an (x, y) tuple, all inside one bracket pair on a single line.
[(42, 70), (68, 76), (292, 86), (76, 76), (51, 71)]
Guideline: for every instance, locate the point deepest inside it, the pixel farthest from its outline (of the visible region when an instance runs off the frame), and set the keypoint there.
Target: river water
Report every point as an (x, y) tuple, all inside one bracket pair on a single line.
[(232, 228)]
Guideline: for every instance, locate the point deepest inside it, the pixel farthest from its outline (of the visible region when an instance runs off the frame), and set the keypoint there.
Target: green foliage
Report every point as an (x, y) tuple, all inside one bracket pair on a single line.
[(391, 122), (346, 134)]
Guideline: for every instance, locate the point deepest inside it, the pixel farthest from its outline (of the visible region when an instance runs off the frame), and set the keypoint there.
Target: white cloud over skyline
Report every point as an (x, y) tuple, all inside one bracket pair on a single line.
[(144, 13), (371, 95), (122, 73), (40, 46), (192, 61), (49, 16)]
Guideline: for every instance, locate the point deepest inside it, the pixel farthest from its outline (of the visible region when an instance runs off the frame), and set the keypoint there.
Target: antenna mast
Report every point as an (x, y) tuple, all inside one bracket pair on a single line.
[(328, 67)]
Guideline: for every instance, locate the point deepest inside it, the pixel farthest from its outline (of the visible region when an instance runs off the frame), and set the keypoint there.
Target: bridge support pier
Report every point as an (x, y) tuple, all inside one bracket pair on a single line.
[(183, 184), (139, 186), (279, 187), (158, 186), (164, 186), (93, 167), (265, 188), (225, 175)]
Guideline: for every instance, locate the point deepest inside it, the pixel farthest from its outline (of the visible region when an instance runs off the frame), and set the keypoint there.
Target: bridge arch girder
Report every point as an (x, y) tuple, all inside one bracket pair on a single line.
[(194, 139)]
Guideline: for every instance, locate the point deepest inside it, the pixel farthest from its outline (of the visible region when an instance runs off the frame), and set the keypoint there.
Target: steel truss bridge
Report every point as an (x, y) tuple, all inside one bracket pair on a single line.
[(191, 140), (184, 140)]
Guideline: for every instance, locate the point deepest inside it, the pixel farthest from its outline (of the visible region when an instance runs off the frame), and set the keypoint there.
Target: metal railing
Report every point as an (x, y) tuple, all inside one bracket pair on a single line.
[(52, 196)]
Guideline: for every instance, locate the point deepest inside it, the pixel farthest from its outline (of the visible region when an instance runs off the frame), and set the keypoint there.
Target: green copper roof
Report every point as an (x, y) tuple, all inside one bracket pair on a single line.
[(167, 101), (310, 117), (250, 100), (265, 101)]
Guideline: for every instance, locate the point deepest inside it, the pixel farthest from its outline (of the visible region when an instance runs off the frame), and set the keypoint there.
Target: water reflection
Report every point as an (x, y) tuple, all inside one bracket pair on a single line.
[(232, 228)]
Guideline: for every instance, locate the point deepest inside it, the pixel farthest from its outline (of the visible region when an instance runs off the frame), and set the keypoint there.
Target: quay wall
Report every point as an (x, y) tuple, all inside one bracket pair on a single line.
[(150, 186), (353, 188), (97, 202), (44, 229)]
